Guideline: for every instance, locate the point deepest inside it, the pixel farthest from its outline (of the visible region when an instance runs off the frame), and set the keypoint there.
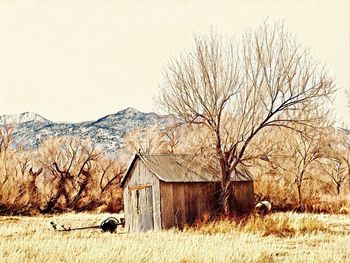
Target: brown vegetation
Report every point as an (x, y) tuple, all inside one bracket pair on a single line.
[(278, 224), (292, 171), (63, 174)]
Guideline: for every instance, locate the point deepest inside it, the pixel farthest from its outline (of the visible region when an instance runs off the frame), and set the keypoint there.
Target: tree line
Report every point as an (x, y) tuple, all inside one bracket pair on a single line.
[(62, 174), (291, 170)]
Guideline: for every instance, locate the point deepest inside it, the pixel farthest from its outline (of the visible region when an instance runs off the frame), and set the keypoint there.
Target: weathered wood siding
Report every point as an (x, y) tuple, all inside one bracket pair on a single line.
[(183, 203), (142, 207), (151, 204), (244, 194)]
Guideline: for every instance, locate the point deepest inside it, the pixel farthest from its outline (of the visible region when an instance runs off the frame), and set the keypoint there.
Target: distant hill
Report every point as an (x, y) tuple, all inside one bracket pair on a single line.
[(107, 132)]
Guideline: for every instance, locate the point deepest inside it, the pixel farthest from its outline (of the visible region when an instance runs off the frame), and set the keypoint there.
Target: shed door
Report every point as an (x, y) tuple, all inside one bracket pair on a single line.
[(142, 209), (146, 209)]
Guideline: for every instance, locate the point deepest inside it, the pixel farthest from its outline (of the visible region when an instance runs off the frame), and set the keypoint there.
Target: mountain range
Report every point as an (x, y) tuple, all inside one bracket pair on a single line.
[(107, 132)]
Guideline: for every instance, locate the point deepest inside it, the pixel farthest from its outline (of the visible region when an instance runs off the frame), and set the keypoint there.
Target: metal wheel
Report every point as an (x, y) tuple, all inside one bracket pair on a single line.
[(110, 224)]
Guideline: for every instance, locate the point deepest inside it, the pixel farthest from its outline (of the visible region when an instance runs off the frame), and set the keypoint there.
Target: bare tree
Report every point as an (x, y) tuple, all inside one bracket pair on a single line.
[(6, 136), (306, 151), (174, 139), (111, 173), (70, 162), (78, 176), (23, 163), (64, 173), (237, 90), (33, 190), (336, 171), (6, 154), (343, 153), (145, 141)]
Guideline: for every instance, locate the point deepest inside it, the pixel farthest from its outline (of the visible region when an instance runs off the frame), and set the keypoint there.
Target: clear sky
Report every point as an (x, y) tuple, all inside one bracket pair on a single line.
[(80, 60)]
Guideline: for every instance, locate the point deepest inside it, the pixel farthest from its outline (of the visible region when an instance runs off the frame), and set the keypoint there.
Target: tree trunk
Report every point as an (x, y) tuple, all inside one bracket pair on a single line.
[(51, 204), (299, 184), (228, 199), (338, 189), (300, 197), (225, 182), (77, 197)]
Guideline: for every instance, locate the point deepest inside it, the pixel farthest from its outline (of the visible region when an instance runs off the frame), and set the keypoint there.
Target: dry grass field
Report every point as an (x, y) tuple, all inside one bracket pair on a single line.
[(280, 237)]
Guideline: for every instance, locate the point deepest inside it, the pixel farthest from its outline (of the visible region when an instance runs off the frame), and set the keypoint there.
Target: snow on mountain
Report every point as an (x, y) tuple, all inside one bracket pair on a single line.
[(107, 132), (22, 118)]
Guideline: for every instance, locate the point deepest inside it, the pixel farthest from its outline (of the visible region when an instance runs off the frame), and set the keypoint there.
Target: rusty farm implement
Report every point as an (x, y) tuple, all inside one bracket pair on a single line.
[(108, 225)]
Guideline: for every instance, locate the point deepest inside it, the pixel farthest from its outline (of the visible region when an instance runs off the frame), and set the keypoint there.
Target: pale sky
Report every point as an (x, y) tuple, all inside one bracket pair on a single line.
[(80, 60)]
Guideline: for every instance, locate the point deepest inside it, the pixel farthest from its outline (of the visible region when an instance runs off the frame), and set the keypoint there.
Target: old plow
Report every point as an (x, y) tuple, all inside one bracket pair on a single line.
[(108, 225)]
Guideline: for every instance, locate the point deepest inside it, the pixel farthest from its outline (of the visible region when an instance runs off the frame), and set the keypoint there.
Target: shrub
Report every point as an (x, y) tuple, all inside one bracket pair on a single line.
[(278, 224)]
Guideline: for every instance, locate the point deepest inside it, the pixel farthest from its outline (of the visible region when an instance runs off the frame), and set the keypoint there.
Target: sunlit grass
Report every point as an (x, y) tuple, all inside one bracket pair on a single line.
[(278, 237)]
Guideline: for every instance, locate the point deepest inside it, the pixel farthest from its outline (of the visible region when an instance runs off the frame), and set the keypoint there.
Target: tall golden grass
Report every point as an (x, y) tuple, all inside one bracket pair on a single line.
[(280, 237), (279, 224)]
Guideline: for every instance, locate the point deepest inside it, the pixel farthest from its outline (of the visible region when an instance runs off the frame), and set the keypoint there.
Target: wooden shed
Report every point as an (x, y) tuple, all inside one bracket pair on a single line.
[(161, 192)]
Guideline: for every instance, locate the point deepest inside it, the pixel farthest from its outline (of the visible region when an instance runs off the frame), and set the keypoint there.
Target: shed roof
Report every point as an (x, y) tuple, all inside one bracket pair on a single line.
[(182, 168)]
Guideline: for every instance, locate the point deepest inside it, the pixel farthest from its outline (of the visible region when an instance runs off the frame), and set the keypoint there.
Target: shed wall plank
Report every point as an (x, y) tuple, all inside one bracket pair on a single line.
[(244, 193), (157, 221), (183, 203), (204, 199), (146, 209), (191, 199), (126, 208), (179, 204), (166, 205)]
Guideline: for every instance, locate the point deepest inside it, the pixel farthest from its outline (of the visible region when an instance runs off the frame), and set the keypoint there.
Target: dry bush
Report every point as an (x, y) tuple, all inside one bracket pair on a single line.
[(78, 176), (283, 225), (318, 168), (279, 224), (63, 174), (17, 178)]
